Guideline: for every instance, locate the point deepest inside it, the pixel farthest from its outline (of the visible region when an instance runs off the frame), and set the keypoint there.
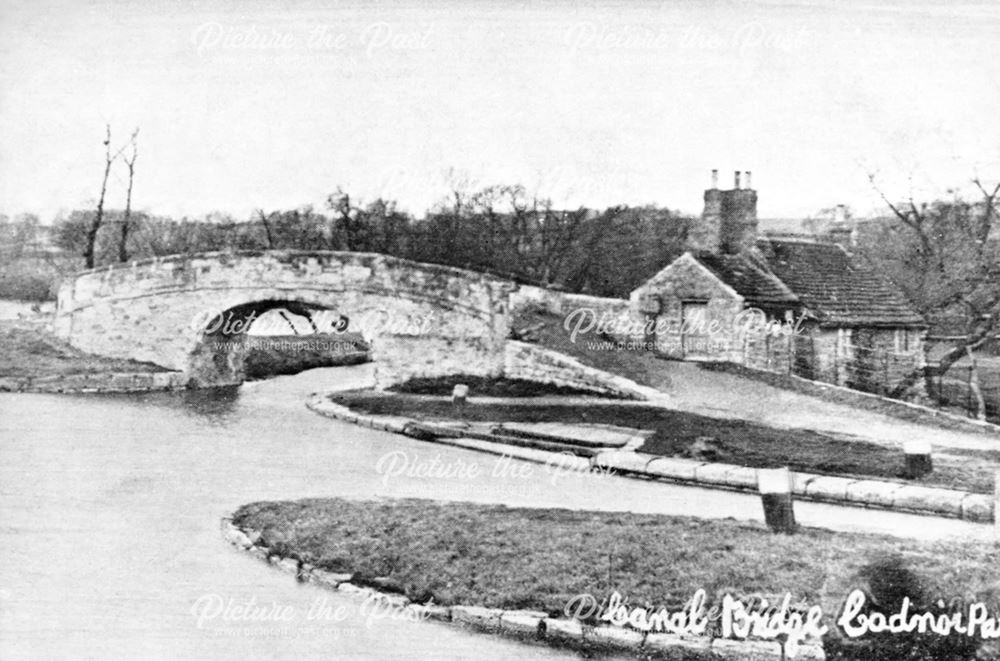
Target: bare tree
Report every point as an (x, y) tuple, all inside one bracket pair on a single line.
[(98, 219), (952, 267), (95, 225), (539, 237), (127, 217), (266, 222)]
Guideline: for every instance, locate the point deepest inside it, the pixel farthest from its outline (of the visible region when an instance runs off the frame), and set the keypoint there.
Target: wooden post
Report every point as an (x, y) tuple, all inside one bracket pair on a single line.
[(968, 393), (918, 458), (836, 356), (790, 346), (996, 503), (775, 486), (458, 396)]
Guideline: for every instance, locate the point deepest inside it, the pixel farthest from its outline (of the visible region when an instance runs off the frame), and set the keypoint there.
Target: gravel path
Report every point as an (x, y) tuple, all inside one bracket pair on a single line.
[(723, 395)]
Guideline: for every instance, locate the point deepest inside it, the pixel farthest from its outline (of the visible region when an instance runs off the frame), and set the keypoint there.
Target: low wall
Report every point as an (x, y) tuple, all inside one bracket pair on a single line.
[(107, 382), (594, 315), (533, 363)]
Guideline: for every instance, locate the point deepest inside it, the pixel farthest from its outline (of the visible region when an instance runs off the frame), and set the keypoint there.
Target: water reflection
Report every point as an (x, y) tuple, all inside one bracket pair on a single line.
[(214, 403), (110, 508)]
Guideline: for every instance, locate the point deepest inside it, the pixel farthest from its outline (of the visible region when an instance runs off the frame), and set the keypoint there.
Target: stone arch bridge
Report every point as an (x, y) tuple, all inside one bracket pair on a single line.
[(184, 312)]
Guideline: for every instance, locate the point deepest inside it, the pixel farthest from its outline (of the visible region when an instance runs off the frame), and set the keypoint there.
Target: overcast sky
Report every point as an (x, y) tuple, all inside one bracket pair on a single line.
[(250, 104)]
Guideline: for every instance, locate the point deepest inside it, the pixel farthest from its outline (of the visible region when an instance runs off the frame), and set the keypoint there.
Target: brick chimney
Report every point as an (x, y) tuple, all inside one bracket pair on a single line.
[(842, 230), (703, 236), (738, 225), (729, 220)]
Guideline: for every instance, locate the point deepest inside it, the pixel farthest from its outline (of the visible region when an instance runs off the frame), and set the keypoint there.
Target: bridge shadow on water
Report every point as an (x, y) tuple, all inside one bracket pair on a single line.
[(214, 406)]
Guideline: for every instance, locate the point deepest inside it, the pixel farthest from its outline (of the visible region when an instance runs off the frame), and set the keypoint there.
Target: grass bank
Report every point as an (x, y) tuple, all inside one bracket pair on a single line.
[(482, 386), (27, 349), (511, 558), (684, 434), (640, 366)]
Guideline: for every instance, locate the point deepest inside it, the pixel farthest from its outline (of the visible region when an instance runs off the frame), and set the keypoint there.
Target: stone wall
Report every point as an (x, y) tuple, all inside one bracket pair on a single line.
[(420, 319), (596, 316), (99, 382)]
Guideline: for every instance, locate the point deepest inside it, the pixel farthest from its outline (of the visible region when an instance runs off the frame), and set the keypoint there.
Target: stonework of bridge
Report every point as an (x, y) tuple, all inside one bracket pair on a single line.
[(184, 312)]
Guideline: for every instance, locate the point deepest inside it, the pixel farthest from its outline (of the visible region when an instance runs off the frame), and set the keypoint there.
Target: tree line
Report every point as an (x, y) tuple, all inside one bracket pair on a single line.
[(499, 229)]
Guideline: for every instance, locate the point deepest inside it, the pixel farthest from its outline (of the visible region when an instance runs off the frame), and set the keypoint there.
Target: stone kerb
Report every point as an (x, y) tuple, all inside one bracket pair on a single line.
[(847, 491), (524, 624)]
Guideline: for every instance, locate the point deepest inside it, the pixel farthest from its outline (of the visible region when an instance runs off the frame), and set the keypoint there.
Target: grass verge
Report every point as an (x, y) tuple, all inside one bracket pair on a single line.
[(511, 558), (684, 434), (482, 386)]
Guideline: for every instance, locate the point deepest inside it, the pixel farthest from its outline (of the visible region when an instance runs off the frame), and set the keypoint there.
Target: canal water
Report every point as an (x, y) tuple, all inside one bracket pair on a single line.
[(110, 508)]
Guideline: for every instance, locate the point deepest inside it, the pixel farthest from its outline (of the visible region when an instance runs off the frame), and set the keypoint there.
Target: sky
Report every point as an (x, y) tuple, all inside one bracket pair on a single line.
[(274, 104)]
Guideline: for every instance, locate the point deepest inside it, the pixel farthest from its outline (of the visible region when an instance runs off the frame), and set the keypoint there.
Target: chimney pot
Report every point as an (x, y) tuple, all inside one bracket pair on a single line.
[(736, 180), (715, 178), (746, 176)]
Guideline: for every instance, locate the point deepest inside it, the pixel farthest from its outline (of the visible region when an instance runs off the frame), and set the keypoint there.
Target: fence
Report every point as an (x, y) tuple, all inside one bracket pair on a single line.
[(955, 388), (870, 369)]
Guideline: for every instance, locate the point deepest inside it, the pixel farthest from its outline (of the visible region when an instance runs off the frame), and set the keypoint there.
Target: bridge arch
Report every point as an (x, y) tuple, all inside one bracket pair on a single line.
[(219, 356), (419, 319)]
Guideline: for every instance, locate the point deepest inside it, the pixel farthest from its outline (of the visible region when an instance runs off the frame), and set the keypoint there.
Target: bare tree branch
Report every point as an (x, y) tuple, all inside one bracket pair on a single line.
[(127, 218)]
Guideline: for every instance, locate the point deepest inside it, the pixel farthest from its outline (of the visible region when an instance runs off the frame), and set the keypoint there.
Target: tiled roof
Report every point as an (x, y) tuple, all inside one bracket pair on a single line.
[(750, 277), (837, 289)]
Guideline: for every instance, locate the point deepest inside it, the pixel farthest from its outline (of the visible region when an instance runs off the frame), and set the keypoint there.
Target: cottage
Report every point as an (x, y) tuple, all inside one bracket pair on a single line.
[(830, 316)]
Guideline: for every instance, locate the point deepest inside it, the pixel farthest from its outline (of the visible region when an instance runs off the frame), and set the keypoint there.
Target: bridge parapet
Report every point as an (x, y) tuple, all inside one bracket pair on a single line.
[(150, 310)]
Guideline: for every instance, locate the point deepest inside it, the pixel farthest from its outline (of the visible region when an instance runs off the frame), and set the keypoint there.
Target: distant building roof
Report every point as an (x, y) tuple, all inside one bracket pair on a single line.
[(822, 278)]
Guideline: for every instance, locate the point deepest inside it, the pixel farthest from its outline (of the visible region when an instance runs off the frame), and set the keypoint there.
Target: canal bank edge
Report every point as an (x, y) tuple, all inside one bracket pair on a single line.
[(523, 624), (853, 492), (100, 382)]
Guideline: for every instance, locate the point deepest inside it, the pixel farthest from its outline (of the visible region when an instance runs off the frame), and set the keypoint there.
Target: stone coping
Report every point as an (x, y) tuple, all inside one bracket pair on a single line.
[(535, 625), (847, 491), (289, 253), (100, 382)]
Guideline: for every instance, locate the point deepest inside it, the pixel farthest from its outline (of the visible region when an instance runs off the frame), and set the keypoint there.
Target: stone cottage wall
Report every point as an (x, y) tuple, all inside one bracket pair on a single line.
[(688, 281)]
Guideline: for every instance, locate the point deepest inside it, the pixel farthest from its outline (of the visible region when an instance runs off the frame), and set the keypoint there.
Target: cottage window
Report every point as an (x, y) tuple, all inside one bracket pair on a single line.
[(902, 340)]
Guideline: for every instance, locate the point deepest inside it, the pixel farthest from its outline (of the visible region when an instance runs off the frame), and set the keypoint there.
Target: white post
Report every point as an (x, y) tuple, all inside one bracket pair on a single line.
[(775, 486), (458, 396), (918, 458)]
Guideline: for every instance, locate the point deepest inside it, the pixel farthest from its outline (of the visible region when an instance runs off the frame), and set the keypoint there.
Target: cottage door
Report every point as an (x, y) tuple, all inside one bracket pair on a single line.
[(694, 331)]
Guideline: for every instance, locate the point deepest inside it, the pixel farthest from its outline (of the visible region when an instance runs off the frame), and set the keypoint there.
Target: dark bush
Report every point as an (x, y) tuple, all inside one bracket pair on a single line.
[(889, 580)]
